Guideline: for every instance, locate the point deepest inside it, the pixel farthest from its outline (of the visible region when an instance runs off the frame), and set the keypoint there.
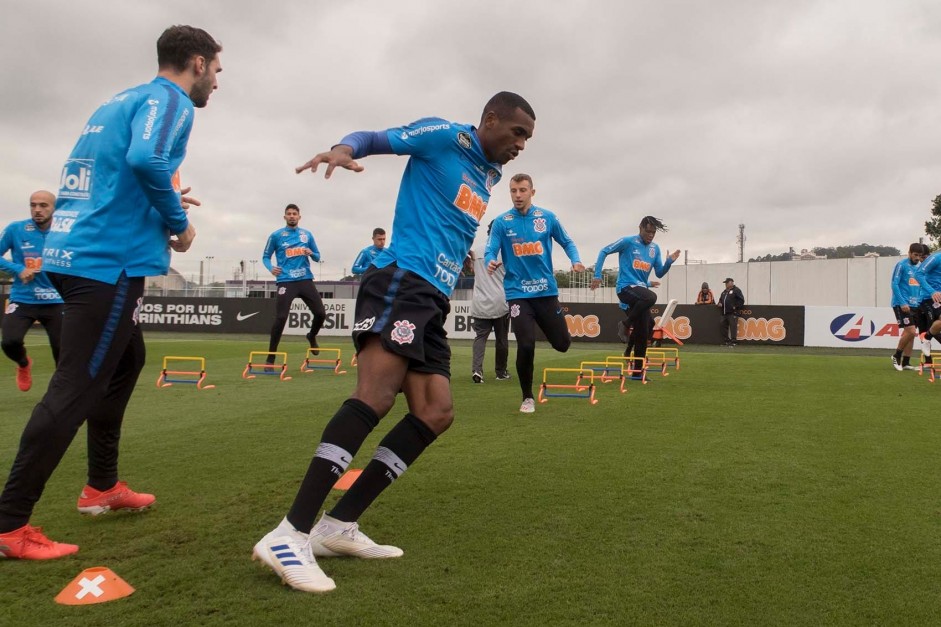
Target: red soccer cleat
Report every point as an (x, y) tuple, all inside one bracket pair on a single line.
[(30, 543), (94, 503), (24, 376)]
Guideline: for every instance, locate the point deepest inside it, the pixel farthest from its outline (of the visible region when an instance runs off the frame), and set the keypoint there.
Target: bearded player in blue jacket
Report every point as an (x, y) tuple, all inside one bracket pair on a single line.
[(523, 238), (293, 248), (637, 256), (399, 332), (906, 298), (118, 207)]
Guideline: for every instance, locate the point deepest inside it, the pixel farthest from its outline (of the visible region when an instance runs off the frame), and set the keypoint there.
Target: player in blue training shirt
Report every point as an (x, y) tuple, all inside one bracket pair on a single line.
[(523, 238), (293, 248), (928, 275), (364, 258), (399, 328), (112, 226), (32, 298), (637, 256), (906, 297)]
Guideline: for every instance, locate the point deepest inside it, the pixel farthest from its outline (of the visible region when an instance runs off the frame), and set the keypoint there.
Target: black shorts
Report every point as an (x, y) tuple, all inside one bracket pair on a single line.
[(919, 320), (930, 311), (905, 319), (408, 313)]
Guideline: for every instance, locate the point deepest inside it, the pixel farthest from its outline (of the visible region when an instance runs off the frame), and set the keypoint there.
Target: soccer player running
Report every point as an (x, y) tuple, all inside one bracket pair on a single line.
[(32, 297), (293, 248), (112, 228), (399, 329), (523, 238), (928, 275), (906, 296), (637, 255), (365, 257)]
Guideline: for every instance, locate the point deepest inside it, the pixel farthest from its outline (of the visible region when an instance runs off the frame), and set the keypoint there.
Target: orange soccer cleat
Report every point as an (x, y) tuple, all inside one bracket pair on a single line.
[(94, 503), (24, 376), (30, 543)]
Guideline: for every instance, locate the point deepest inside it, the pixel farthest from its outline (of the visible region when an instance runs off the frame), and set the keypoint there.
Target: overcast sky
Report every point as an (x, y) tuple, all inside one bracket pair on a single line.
[(811, 122)]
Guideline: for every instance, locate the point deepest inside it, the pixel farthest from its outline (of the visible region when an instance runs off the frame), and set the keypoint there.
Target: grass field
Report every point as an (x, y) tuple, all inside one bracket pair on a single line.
[(756, 486)]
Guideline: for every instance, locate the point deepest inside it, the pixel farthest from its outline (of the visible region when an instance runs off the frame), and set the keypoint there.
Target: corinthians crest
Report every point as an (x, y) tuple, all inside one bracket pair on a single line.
[(404, 332)]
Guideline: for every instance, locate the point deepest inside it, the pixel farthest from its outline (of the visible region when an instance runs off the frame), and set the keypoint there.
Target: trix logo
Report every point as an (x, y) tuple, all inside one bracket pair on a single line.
[(852, 327)]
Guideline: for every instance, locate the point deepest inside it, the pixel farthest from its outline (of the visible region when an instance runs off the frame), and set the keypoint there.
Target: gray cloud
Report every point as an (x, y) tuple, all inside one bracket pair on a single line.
[(813, 123)]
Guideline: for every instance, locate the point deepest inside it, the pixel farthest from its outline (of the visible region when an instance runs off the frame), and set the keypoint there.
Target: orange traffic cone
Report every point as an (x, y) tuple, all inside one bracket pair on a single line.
[(94, 585), (348, 478)]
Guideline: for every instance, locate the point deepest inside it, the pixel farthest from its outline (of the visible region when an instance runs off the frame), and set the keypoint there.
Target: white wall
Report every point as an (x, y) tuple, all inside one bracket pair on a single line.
[(824, 282)]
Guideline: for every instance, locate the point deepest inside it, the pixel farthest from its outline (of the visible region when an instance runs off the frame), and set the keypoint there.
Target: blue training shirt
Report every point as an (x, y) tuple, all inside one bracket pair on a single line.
[(365, 258), (635, 260), (906, 290), (117, 201), (928, 275), (290, 248), (443, 196), (525, 243), (26, 242)]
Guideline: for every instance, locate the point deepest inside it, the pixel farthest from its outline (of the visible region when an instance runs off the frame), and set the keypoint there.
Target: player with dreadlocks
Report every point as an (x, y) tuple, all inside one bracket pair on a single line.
[(637, 255)]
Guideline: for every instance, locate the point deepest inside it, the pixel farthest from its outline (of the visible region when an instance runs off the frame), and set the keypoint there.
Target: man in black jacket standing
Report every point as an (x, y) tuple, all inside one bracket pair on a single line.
[(730, 301)]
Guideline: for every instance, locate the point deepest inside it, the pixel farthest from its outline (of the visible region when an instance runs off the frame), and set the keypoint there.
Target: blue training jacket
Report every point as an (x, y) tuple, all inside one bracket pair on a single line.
[(906, 290), (289, 246), (26, 242), (635, 261), (928, 275), (118, 203), (443, 195), (365, 258), (525, 243)]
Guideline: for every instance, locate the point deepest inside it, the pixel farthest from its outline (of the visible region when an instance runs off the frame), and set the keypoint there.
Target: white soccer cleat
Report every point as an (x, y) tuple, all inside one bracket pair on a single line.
[(288, 553), (896, 364), (332, 538), (528, 406)]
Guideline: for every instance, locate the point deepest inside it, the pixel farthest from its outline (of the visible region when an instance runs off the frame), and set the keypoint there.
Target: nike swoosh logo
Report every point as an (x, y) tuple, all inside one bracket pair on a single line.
[(240, 317)]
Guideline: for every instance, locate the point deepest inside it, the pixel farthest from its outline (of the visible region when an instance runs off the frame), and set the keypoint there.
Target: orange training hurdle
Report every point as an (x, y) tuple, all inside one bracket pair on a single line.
[(603, 371), (193, 377), (313, 361), (932, 369), (547, 390), (253, 368), (627, 365), (670, 354)]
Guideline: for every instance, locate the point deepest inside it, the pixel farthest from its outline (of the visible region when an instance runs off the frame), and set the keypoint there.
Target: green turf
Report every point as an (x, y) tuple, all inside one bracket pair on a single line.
[(753, 487)]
